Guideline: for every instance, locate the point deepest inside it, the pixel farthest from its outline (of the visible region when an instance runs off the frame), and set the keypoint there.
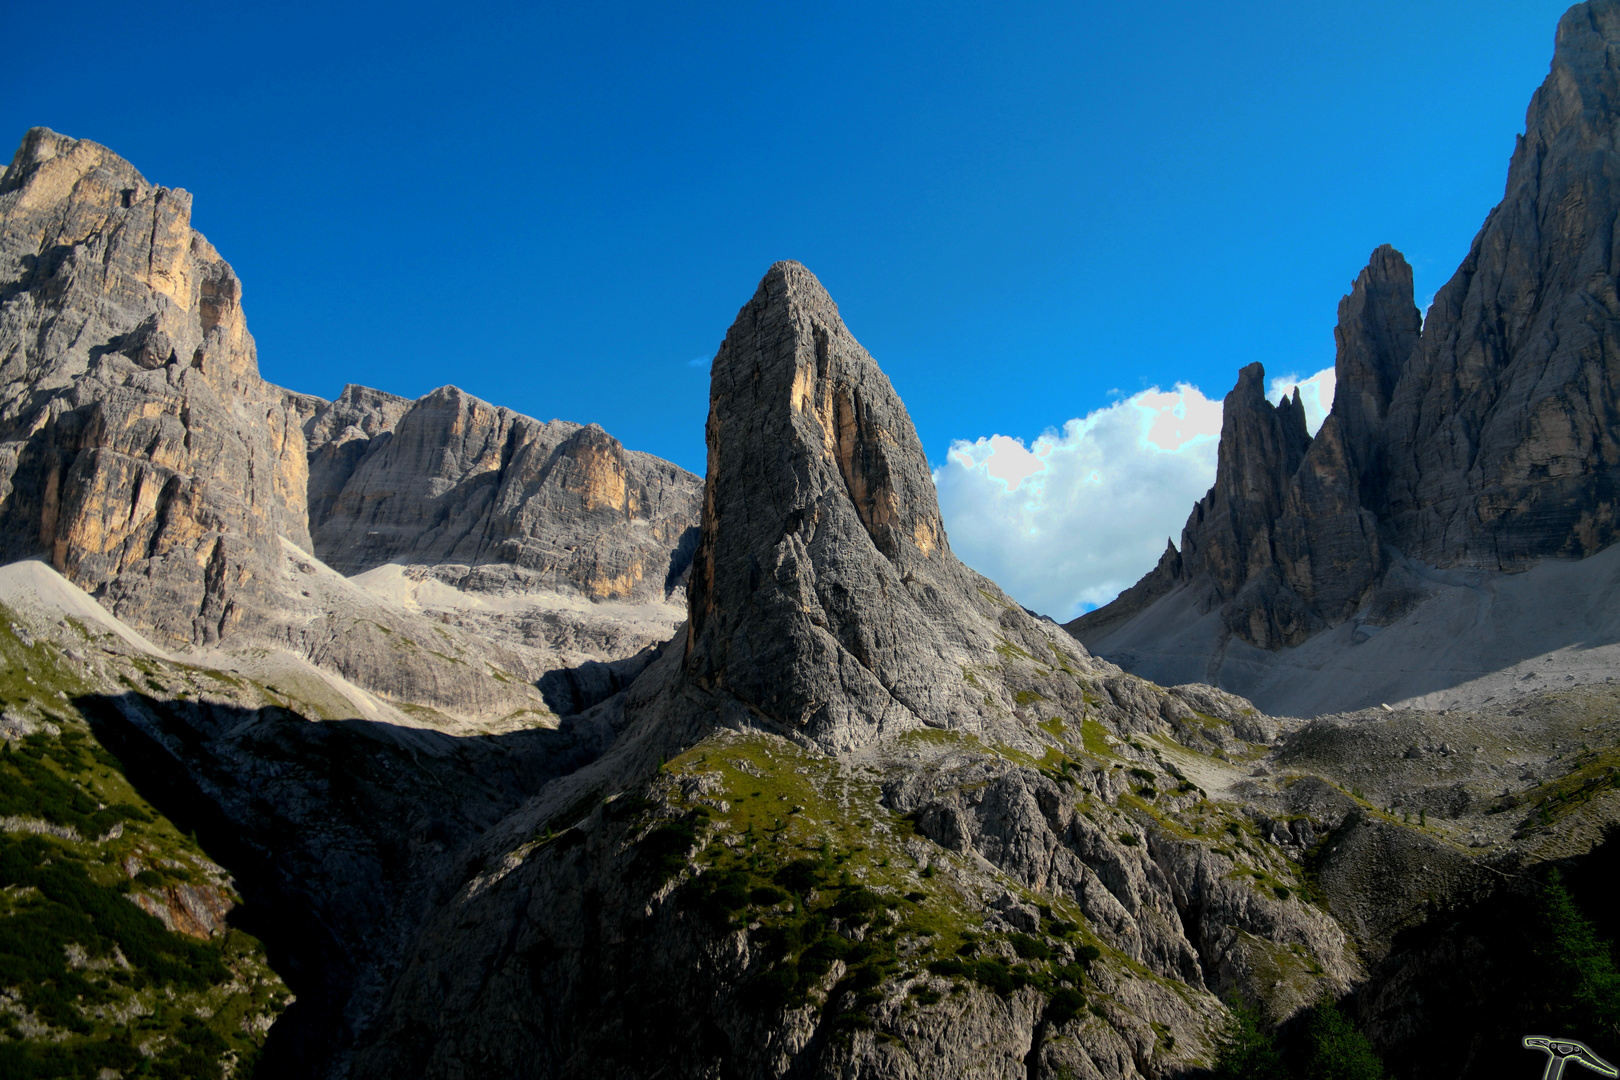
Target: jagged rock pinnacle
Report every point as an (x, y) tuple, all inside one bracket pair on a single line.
[(823, 592)]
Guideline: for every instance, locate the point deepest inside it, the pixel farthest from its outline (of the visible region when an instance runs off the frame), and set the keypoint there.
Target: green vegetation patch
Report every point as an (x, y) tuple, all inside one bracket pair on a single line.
[(1062, 660), (1094, 737), (1008, 651), (1593, 775), (98, 983), (799, 853)]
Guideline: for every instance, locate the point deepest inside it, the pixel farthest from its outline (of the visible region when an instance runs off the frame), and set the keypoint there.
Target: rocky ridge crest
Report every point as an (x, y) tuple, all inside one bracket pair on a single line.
[(145, 458), (1480, 440)]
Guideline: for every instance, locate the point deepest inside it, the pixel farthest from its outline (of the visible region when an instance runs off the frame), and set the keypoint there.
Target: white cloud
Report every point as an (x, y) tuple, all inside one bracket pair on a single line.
[(698, 362), (1068, 521)]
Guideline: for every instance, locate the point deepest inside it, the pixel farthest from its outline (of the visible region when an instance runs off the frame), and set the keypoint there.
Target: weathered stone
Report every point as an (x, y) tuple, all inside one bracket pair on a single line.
[(1485, 438), (142, 454), (338, 434), (451, 480), (824, 594), (138, 445), (827, 608)]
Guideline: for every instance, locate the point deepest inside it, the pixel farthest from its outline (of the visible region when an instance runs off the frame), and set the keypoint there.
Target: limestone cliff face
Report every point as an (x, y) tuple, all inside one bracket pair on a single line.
[(1284, 541), (138, 446), (452, 481), (823, 592), (1487, 438), (1504, 440), (144, 457), (338, 434)]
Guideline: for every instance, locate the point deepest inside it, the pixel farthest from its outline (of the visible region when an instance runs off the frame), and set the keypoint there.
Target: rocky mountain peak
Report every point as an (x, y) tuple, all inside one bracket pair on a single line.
[(519, 504), (1261, 447), (144, 455), (844, 419), (50, 169), (824, 594), (1377, 331), (1485, 438)]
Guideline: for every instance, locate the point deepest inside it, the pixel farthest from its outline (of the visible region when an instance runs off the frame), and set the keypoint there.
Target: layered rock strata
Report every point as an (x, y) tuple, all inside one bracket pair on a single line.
[(451, 481), (144, 457), (1483, 439), (139, 448)]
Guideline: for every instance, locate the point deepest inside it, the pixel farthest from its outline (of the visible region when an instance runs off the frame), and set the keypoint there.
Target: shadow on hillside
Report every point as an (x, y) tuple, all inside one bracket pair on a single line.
[(341, 835), (1457, 994)]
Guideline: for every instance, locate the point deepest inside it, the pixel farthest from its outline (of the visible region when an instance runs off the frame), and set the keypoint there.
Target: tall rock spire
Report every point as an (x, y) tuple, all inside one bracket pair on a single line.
[(1504, 438), (1487, 437), (1228, 537), (1284, 541), (1377, 331), (824, 595)]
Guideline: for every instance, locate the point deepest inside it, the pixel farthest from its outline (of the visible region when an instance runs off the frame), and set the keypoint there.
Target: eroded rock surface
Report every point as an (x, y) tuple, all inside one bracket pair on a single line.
[(506, 501), (144, 457), (139, 448), (1482, 440)]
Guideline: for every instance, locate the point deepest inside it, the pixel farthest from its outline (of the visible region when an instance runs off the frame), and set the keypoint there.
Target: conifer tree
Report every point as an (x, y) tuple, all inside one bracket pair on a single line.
[(1335, 1050), (1572, 970), (1244, 1052)]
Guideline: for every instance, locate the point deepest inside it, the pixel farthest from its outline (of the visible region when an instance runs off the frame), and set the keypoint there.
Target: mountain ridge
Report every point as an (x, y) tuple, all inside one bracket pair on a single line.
[(1479, 440), (822, 803)]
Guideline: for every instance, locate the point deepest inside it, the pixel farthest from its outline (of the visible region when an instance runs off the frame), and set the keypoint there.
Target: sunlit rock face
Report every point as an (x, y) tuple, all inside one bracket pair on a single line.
[(823, 590), (144, 457), (1485, 439), (140, 450), (452, 480)]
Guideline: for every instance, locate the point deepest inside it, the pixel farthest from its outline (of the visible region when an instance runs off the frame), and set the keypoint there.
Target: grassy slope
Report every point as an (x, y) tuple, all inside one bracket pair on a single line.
[(88, 979)]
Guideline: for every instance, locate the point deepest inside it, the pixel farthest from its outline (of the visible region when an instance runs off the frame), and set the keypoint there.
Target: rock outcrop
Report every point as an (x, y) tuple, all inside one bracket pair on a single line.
[(142, 454), (832, 635), (338, 434), (1482, 440), (824, 593), (513, 503), (1502, 435), (138, 446)]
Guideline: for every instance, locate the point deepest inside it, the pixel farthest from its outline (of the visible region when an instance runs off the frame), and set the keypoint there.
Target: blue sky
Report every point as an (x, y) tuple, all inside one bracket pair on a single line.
[(1025, 211)]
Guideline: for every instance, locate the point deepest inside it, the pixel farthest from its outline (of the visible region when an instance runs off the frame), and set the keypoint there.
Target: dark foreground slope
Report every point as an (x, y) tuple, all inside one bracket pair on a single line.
[(863, 816), (1475, 445)]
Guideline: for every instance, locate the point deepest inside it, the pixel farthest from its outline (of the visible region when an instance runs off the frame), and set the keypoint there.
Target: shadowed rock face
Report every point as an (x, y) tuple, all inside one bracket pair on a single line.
[(1228, 540), (1503, 433), (1485, 439), (824, 593), (338, 434)]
